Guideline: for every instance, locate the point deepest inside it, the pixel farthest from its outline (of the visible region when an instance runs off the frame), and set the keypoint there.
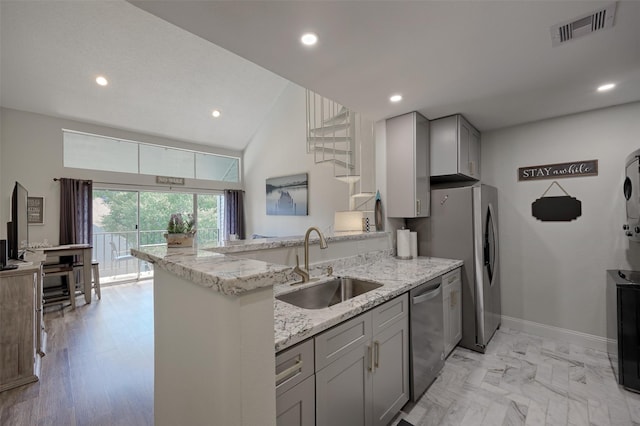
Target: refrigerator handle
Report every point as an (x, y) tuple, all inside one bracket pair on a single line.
[(478, 266)]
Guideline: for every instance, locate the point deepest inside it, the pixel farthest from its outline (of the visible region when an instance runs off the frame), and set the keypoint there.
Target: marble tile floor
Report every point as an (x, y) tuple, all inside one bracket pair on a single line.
[(525, 380)]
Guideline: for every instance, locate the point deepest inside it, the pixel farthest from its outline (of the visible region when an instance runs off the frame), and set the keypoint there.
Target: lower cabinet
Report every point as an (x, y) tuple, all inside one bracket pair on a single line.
[(452, 309), (295, 386), (20, 326), (362, 367), (296, 407)]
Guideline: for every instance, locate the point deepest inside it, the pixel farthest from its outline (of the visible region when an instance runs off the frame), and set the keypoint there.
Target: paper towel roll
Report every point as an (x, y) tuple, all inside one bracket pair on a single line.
[(414, 244), (404, 243)]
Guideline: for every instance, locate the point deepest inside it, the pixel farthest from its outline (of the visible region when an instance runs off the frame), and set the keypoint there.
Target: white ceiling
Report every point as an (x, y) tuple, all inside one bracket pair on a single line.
[(490, 60), (162, 80)]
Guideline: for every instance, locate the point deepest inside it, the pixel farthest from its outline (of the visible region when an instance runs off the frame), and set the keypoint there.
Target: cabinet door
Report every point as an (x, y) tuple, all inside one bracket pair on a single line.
[(17, 329), (464, 135), (391, 371), (455, 310), (297, 406), (446, 310), (452, 309), (474, 154), (422, 167), (444, 146), (408, 166), (343, 390)]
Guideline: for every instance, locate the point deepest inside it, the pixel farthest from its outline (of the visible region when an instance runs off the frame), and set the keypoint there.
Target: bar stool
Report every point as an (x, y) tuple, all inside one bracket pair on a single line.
[(62, 270), (95, 276)]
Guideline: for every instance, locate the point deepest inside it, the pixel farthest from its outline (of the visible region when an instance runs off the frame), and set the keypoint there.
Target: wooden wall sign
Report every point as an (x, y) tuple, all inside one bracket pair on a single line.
[(559, 170)]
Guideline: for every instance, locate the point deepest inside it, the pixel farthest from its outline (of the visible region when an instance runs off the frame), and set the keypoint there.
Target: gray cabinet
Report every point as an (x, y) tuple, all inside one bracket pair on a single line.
[(455, 150), (391, 371), (20, 326), (367, 382), (296, 407), (343, 389), (452, 309), (408, 166), (295, 386)]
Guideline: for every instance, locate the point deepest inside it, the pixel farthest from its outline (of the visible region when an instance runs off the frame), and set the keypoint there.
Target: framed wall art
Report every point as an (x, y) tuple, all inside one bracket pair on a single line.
[(287, 195), (35, 210)]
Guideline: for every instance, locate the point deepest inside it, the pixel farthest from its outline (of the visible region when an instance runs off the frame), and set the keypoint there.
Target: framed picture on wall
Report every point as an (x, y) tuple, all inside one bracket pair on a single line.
[(35, 210), (287, 195)]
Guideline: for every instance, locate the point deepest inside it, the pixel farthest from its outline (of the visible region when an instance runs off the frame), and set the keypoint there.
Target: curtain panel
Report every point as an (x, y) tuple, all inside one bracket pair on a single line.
[(234, 213), (76, 211)]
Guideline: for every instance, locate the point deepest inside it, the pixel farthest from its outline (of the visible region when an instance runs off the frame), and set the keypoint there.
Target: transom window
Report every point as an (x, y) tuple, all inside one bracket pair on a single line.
[(93, 152)]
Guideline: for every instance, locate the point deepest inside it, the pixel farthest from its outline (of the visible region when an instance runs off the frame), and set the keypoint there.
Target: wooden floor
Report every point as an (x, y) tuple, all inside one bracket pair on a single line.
[(98, 368)]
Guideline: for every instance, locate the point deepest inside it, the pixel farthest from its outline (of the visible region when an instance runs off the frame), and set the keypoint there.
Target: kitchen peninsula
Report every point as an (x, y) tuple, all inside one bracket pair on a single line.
[(215, 316)]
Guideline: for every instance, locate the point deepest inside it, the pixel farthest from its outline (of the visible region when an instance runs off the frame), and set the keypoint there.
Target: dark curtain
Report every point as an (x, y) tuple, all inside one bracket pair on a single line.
[(76, 211), (234, 213)]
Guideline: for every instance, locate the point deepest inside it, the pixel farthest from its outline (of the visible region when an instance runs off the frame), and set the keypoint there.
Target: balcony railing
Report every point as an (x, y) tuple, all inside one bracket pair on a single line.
[(113, 251)]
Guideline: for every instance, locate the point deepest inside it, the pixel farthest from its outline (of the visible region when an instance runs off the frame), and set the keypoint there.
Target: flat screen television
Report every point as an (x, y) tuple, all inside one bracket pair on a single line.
[(18, 228)]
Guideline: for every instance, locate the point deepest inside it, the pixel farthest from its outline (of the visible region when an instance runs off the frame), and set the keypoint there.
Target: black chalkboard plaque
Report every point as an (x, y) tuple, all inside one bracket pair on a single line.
[(556, 209), (562, 208)]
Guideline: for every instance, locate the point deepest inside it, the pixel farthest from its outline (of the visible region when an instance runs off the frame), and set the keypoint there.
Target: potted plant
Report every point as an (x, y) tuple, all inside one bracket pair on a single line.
[(180, 231)]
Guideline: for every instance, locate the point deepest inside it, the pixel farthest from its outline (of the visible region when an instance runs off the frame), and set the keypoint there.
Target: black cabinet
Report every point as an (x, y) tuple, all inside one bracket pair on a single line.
[(623, 326)]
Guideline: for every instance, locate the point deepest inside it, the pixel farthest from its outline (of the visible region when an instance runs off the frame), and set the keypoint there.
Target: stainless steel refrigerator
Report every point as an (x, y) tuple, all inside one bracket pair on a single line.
[(464, 225)]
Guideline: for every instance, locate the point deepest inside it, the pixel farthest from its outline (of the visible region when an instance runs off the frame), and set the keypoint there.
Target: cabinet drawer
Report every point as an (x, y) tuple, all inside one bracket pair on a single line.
[(293, 365), (334, 343), (451, 278), (390, 312)]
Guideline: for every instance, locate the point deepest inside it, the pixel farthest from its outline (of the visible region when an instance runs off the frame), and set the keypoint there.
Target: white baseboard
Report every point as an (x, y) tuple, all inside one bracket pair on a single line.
[(575, 337)]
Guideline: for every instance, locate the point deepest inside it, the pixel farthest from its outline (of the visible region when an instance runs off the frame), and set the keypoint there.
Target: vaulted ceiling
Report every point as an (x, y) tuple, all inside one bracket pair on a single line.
[(490, 60)]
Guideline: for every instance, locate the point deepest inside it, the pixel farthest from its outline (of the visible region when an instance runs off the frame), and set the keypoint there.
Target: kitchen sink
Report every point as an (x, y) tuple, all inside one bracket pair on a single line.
[(328, 293)]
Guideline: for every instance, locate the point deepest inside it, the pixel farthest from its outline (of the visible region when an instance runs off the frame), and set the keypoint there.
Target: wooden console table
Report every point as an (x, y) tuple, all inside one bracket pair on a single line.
[(81, 250), (21, 331)]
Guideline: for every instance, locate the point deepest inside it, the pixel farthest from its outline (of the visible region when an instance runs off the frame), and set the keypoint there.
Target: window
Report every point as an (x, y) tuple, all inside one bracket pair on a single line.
[(93, 152)]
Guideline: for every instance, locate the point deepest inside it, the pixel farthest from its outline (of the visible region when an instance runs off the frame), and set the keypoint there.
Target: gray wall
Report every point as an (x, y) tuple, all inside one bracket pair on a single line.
[(553, 273), (31, 153), (279, 149)]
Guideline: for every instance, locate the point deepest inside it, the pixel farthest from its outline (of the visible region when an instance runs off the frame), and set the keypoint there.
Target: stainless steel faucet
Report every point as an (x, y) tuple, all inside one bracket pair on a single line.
[(304, 273)]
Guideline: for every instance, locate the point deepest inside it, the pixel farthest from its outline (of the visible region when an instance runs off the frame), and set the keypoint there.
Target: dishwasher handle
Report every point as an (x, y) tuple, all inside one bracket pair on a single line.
[(427, 296)]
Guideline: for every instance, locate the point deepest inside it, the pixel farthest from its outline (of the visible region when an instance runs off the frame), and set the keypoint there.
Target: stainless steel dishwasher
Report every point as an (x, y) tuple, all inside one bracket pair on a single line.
[(427, 335)]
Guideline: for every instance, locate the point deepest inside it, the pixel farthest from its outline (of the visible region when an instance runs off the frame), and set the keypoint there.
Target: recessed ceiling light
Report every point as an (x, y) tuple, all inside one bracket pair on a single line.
[(309, 39), (395, 98), (101, 81), (216, 113), (606, 87)]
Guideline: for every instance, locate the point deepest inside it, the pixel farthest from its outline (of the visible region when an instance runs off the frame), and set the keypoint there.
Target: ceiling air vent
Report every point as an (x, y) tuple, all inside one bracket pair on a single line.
[(575, 28)]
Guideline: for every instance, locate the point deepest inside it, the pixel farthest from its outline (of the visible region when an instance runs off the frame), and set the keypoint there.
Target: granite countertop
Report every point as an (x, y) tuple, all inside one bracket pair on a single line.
[(293, 324), (216, 267), (226, 274), (233, 275), (230, 247)]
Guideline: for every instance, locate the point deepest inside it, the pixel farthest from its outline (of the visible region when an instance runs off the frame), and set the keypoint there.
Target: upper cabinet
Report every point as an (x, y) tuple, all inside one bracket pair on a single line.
[(455, 150), (408, 166)]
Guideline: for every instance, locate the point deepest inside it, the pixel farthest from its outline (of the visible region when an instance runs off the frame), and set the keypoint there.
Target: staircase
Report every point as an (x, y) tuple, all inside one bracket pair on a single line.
[(342, 138)]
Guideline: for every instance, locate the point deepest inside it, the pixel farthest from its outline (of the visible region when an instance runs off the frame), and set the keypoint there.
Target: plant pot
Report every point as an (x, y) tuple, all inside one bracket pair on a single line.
[(179, 240)]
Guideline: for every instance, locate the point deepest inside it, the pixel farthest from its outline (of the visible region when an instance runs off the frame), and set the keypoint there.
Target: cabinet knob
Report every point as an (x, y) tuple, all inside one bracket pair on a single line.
[(637, 229)]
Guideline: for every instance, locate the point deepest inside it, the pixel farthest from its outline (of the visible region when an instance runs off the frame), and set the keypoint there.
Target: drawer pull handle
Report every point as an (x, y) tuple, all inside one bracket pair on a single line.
[(370, 356), (289, 372)]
